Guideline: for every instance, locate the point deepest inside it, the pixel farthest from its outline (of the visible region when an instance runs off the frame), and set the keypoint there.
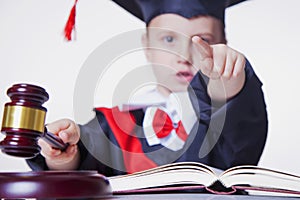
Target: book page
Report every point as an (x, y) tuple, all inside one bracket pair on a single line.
[(176, 174), (260, 179)]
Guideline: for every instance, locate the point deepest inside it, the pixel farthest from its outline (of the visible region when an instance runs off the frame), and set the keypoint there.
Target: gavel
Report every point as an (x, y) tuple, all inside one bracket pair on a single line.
[(23, 122)]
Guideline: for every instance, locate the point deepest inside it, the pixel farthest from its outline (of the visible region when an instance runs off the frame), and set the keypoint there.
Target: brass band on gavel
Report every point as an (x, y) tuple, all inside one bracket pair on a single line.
[(21, 117)]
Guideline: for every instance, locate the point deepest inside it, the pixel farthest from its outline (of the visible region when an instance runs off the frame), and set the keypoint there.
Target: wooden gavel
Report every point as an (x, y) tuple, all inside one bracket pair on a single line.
[(23, 122)]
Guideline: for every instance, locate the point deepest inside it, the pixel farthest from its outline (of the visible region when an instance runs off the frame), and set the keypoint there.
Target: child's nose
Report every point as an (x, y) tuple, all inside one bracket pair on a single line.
[(185, 54)]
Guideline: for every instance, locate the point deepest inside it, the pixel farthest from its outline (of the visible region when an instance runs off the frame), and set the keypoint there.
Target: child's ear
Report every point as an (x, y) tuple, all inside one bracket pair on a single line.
[(145, 43)]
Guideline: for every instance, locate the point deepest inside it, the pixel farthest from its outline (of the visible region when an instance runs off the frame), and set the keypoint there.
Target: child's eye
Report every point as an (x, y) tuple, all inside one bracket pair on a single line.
[(168, 39), (205, 40)]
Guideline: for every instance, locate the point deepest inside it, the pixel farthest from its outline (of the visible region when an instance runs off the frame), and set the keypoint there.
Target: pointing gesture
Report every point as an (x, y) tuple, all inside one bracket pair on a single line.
[(222, 65)]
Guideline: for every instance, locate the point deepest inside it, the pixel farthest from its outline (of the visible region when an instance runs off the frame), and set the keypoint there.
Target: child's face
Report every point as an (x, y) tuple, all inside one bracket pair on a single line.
[(170, 48)]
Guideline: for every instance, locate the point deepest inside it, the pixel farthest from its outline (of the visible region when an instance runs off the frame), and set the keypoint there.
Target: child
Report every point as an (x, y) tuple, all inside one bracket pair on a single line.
[(186, 44)]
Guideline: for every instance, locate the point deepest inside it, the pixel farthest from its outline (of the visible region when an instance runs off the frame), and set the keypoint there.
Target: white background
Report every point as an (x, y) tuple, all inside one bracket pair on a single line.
[(32, 50)]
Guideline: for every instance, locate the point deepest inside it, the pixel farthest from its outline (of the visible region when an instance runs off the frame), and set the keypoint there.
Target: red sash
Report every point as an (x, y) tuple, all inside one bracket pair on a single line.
[(122, 125)]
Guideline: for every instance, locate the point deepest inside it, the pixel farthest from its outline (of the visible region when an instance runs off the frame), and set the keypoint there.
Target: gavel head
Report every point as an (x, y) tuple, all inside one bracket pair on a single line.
[(23, 120)]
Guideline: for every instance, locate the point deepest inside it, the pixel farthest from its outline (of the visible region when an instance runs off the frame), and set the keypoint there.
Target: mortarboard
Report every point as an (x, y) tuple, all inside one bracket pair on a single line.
[(146, 10)]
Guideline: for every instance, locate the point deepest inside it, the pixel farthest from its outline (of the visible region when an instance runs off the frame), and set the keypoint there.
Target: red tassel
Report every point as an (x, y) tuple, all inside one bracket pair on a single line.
[(70, 25)]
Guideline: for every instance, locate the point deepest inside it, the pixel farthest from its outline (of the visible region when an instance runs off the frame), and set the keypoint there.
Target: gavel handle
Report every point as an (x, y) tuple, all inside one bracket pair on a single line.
[(54, 140)]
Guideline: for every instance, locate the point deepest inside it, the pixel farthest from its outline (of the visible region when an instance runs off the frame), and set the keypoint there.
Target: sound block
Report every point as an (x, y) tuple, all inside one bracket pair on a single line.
[(54, 184)]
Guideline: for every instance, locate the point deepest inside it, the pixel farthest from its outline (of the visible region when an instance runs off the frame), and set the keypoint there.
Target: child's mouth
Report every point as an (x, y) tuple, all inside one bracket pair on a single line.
[(185, 76)]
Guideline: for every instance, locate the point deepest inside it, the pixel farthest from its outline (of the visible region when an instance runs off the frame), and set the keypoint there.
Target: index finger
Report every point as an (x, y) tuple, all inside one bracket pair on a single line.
[(202, 47), (57, 126)]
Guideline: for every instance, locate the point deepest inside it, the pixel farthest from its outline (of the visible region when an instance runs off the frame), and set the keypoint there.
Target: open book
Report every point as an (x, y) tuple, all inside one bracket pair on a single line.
[(192, 175)]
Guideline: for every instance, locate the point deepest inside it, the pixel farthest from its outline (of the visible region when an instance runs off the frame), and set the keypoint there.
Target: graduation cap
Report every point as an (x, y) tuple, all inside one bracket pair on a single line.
[(146, 10)]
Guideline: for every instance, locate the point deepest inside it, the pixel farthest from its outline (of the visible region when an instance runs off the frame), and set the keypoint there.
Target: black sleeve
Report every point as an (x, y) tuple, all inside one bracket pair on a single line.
[(237, 129), (37, 163), (98, 148)]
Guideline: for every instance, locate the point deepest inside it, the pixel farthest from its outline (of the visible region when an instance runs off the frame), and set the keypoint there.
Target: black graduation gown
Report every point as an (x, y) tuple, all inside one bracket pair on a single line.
[(224, 136)]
